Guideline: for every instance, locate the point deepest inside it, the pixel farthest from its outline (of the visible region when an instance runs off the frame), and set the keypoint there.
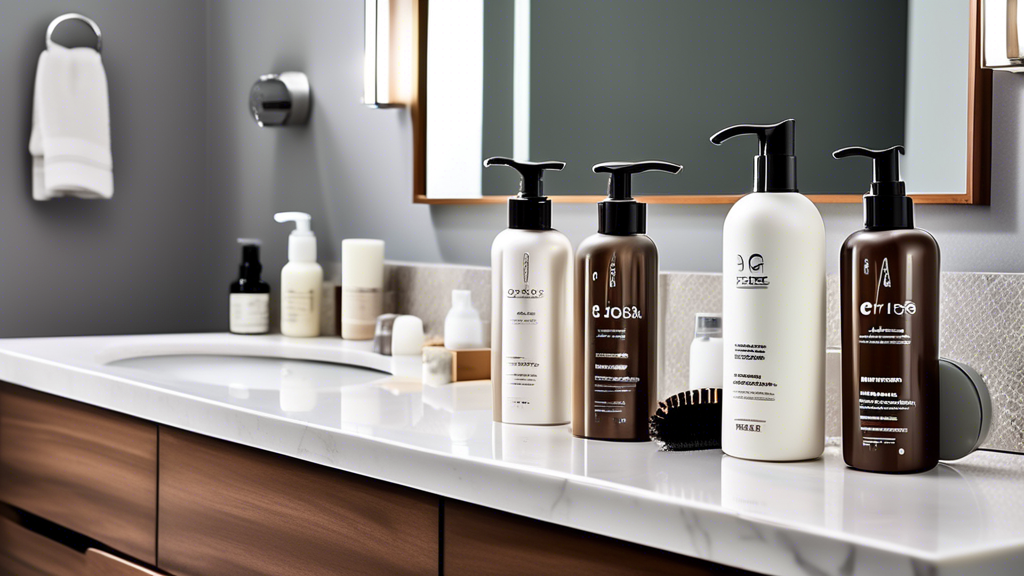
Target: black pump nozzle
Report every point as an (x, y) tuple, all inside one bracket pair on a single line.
[(775, 163), (530, 209), (620, 214), (887, 205)]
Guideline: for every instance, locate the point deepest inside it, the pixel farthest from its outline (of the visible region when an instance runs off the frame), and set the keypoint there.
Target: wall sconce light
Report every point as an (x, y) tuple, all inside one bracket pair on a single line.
[(388, 52)]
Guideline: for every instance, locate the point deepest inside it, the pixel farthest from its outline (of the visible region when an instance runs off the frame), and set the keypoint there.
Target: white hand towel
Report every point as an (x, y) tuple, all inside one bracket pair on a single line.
[(70, 142)]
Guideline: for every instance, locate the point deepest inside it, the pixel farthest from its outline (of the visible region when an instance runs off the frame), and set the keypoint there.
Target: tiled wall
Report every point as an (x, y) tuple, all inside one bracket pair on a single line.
[(982, 325)]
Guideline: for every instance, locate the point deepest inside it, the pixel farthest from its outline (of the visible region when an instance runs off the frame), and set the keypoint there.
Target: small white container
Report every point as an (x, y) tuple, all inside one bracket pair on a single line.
[(706, 352), (463, 329), (362, 287), (407, 336)]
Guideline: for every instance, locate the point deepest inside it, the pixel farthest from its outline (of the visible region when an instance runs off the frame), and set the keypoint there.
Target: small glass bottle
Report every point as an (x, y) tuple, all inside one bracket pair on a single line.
[(250, 295)]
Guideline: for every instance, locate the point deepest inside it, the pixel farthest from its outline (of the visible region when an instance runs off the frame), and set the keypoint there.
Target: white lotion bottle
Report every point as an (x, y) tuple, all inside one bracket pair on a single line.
[(301, 280), (706, 352), (531, 307), (773, 296), (362, 287)]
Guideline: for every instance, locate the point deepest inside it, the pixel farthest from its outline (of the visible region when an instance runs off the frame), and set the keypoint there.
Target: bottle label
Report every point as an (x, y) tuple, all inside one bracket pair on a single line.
[(360, 308), (526, 336), (888, 374), (773, 343), (299, 305), (250, 313), (618, 348)]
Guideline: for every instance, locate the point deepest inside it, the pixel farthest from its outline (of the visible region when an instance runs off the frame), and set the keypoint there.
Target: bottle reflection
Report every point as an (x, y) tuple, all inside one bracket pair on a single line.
[(298, 388)]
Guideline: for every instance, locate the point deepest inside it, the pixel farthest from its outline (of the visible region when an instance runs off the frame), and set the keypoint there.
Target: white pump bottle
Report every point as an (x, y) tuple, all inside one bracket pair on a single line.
[(301, 279), (773, 302)]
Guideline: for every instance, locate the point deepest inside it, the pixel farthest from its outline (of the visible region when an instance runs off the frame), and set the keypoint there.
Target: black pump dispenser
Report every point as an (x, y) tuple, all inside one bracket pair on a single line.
[(620, 214), (775, 163), (886, 206), (530, 209), (250, 268)]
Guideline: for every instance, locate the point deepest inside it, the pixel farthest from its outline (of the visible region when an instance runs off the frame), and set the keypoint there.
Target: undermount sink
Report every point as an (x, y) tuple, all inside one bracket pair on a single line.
[(251, 372)]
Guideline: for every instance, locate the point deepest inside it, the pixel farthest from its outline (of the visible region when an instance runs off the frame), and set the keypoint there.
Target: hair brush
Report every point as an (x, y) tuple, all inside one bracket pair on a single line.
[(690, 420)]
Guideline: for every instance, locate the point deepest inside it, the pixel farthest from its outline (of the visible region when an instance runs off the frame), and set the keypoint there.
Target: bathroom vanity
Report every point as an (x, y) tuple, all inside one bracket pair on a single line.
[(222, 454)]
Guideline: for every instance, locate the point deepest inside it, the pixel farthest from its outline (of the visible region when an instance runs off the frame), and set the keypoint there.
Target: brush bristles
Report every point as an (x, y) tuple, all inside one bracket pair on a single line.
[(690, 420)]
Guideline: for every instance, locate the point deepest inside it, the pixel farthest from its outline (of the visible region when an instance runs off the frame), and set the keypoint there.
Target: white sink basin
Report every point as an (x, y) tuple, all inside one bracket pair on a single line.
[(251, 372)]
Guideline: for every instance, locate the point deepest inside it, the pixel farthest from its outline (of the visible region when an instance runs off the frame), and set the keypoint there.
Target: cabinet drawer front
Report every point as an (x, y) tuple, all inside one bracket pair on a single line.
[(88, 469), (26, 553), (482, 541), (227, 509)]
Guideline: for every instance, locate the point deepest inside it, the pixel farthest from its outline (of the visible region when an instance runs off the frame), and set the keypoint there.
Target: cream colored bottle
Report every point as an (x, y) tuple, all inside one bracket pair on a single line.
[(773, 302), (302, 280), (531, 308)]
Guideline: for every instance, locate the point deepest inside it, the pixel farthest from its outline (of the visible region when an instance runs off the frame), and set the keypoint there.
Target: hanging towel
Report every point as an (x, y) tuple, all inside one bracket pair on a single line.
[(70, 141)]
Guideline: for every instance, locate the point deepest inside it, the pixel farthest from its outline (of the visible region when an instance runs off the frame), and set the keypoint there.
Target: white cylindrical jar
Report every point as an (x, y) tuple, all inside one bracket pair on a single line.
[(362, 287)]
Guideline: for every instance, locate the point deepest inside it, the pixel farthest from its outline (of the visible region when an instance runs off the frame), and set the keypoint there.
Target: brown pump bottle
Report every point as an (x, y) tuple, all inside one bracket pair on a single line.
[(615, 367), (889, 274)]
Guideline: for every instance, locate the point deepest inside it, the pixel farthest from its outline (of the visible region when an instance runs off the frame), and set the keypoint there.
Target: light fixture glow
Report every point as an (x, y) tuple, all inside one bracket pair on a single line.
[(377, 54)]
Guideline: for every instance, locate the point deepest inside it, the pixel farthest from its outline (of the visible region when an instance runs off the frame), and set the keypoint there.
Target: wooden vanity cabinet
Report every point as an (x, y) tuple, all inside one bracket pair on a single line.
[(479, 540), (227, 509), (224, 509), (90, 470)]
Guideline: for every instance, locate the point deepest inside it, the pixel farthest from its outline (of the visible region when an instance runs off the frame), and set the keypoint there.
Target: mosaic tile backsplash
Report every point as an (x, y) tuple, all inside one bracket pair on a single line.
[(982, 325)]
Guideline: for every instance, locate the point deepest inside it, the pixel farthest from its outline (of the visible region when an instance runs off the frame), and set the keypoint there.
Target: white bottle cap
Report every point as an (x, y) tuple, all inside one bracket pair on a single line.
[(407, 336), (362, 263), (301, 242), (462, 300)]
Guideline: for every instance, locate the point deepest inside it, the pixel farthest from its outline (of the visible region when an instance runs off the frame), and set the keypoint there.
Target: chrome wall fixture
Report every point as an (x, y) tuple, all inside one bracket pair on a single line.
[(280, 99), (73, 16)]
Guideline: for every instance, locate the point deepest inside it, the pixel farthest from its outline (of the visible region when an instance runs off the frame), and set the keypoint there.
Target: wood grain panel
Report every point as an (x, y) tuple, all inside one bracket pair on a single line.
[(100, 563), (88, 469), (227, 509), (482, 541), (25, 553)]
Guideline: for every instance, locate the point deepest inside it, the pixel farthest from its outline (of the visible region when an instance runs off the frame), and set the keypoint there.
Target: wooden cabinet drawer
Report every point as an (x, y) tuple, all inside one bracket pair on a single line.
[(227, 509), (88, 469), (482, 541), (25, 553)]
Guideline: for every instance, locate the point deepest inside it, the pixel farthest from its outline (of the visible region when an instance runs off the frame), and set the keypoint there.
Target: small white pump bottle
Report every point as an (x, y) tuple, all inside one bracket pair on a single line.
[(301, 280)]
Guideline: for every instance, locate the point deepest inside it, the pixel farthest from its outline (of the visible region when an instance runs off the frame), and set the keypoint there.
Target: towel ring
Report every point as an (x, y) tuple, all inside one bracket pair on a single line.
[(73, 16)]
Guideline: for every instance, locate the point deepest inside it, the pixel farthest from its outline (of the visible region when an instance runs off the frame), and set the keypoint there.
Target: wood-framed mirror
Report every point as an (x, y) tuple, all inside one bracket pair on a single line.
[(587, 81)]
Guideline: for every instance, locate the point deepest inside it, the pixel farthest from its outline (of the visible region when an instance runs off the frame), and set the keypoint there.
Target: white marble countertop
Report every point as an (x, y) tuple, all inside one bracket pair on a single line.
[(816, 517)]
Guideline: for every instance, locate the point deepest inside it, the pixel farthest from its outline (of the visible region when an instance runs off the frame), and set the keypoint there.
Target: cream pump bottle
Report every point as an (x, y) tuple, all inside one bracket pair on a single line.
[(773, 297), (889, 285), (531, 307), (615, 377), (302, 280)]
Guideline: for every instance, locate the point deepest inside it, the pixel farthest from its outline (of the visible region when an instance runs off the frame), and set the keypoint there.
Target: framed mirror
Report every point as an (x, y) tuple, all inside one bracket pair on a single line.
[(589, 81)]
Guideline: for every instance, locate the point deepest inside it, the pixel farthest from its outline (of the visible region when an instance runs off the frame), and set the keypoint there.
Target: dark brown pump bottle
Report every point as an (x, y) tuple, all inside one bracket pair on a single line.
[(615, 368), (889, 274)]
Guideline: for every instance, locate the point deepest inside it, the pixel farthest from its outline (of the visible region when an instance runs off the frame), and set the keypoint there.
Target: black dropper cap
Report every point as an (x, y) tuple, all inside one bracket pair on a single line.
[(530, 209), (250, 268), (775, 163), (887, 205), (620, 214)]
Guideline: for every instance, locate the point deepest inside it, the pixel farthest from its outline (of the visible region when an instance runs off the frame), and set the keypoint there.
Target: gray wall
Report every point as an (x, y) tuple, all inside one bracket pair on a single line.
[(352, 166), (147, 260), (158, 257)]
